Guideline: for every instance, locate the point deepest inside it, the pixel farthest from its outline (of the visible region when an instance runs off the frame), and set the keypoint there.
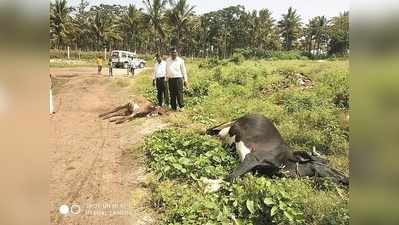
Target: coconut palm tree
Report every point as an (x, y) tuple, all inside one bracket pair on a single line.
[(59, 22), (267, 37), (130, 23), (179, 17), (154, 15), (339, 34), (290, 27), (321, 32), (103, 29), (79, 25)]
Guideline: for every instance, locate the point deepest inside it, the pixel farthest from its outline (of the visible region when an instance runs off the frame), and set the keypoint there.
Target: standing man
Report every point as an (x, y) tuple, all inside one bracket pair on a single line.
[(159, 81), (176, 75), (132, 68), (110, 67), (99, 62)]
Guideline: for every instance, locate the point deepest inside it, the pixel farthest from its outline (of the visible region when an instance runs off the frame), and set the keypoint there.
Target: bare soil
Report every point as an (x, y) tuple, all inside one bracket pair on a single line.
[(96, 165)]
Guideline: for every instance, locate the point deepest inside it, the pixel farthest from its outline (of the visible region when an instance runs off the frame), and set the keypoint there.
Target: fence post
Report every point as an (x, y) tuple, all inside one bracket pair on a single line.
[(68, 53)]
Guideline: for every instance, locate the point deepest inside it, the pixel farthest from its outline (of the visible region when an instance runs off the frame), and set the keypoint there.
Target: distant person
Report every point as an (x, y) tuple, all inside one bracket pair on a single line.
[(99, 62), (110, 67), (160, 82), (176, 75), (131, 69)]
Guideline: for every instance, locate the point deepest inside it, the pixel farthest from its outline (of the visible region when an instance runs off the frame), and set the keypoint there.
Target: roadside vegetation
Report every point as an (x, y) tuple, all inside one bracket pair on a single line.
[(309, 103)]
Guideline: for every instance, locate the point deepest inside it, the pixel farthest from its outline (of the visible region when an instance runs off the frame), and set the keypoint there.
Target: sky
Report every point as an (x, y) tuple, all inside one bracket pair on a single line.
[(306, 8)]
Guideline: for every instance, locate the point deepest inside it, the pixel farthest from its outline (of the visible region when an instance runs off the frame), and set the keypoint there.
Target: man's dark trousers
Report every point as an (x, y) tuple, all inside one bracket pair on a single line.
[(162, 91), (176, 92)]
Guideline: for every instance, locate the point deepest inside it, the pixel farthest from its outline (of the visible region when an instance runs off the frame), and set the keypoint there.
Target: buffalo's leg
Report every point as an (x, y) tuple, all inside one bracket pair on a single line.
[(246, 165), (115, 110)]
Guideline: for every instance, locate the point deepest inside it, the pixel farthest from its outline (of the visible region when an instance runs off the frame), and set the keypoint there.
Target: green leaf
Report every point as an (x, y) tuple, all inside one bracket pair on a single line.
[(185, 161), (268, 201), (181, 153), (273, 211), (250, 206), (289, 216), (177, 166)]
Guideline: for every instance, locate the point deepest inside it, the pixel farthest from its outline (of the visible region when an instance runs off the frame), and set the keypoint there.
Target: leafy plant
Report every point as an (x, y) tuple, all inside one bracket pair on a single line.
[(186, 155), (179, 158)]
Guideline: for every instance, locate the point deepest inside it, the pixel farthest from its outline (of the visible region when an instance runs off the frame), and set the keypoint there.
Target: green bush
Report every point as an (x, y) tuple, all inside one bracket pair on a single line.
[(237, 58), (85, 55), (180, 158), (150, 94), (82, 55), (210, 63), (270, 54), (196, 92), (186, 155)]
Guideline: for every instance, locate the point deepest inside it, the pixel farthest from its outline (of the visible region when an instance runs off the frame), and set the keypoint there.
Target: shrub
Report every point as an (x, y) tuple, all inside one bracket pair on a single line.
[(237, 58), (151, 94), (185, 155), (270, 54), (180, 158), (210, 63), (296, 102), (82, 55), (197, 91)]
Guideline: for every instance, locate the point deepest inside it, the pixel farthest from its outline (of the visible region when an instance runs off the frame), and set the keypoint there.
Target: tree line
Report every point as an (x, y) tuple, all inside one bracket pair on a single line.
[(163, 23)]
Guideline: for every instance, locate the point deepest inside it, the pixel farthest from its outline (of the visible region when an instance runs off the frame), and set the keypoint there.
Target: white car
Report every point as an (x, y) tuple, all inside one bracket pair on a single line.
[(125, 59)]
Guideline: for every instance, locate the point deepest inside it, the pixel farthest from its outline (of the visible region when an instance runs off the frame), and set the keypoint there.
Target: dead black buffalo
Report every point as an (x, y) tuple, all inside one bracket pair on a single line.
[(261, 147)]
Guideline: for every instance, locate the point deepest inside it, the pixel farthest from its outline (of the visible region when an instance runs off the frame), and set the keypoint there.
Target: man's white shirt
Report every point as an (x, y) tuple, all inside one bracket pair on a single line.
[(160, 69), (176, 68)]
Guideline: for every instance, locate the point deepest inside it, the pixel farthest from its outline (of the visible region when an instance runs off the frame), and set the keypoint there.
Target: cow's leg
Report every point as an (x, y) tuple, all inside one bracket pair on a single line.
[(215, 130), (130, 117), (322, 170), (248, 164), (122, 113), (119, 119), (115, 110), (122, 120)]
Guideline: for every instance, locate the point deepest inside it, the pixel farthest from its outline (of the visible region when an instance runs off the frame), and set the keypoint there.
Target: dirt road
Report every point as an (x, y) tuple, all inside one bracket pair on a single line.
[(97, 170)]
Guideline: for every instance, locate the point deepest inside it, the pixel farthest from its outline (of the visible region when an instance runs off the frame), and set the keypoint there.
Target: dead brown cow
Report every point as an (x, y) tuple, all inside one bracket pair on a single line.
[(132, 110)]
